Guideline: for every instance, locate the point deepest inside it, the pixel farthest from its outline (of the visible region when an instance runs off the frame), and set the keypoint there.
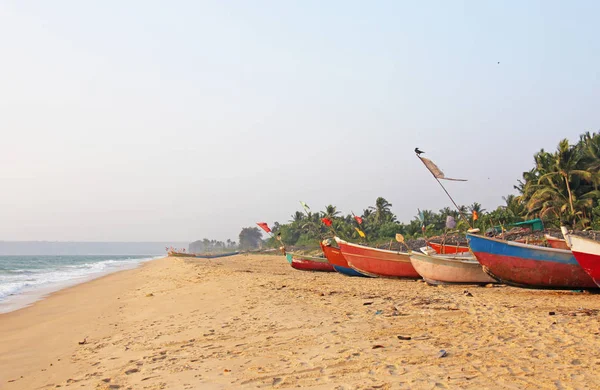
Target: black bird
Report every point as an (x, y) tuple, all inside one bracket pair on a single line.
[(418, 152)]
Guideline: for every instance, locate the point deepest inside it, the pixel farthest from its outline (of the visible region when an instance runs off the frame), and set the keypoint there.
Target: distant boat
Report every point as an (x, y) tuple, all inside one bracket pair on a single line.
[(587, 254), (530, 266), (445, 249), (449, 269), (556, 243), (336, 258), (179, 254), (309, 263), (214, 255), (377, 262)]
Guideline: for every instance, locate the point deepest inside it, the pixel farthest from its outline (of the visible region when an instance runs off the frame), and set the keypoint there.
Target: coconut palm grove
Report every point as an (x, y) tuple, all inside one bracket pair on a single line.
[(561, 187)]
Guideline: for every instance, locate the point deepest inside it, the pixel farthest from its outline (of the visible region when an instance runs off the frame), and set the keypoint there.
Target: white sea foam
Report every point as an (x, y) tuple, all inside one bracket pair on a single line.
[(18, 282)]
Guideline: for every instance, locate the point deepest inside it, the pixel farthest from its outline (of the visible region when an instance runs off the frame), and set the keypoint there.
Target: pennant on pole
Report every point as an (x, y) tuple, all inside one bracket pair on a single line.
[(360, 232), (358, 219), (306, 208), (450, 222), (326, 221), (437, 172), (264, 226), (475, 215)]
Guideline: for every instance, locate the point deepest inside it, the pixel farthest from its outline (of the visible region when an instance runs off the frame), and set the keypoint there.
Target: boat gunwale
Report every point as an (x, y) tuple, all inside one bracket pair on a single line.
[(339, 240), (519, 244), (309, 258), (447, 259)]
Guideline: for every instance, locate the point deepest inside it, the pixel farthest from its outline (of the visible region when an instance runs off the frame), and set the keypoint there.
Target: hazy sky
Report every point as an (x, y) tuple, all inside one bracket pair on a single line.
[(178, 120)]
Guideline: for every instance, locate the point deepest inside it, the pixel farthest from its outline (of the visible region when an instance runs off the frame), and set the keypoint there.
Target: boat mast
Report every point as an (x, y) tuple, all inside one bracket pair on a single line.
[(444, 188)]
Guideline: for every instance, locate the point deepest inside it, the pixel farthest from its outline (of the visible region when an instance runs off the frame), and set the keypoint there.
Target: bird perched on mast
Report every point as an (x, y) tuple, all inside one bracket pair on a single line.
[(418, 152)]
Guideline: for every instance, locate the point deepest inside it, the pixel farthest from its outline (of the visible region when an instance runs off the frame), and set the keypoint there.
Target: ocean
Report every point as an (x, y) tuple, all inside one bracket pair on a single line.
[(26, 279)]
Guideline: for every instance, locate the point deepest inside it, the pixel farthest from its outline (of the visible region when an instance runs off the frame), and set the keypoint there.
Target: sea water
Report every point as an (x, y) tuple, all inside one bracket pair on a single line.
[(25, 279)]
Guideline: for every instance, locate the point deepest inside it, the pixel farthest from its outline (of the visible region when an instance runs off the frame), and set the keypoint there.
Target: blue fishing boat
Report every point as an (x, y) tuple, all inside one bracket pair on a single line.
[(531, 266)]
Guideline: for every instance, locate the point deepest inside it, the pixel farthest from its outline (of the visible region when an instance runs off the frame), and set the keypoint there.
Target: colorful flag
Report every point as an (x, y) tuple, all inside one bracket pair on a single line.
[(326, 221), (360, 232), (450, 222), (437, 172), (475, 215), (421, 216), (306, 208), (264, 226), (359, 220)]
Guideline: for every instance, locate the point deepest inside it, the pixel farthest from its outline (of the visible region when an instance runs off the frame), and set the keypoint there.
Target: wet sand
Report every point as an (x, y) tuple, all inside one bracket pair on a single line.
[(254, 322)]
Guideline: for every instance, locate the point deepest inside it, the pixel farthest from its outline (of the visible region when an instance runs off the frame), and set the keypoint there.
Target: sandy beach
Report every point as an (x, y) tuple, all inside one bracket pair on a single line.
[(254, 322)]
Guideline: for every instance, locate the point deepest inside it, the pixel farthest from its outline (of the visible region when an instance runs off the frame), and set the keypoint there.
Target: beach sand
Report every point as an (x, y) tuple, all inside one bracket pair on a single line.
[(254, 322)]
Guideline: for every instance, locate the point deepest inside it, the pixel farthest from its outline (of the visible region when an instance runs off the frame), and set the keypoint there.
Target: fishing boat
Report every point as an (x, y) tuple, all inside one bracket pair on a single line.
[(529, 266), (336, 258), (179, 254), (309, 263), (587, 254), (214, 255), (556, 243), (377, 262), (449, 269), (446, 249)]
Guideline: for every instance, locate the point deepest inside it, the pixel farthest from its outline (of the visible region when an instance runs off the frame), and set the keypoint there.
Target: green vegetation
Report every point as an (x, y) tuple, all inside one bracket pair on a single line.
[(562, 186), (211, 246), (250, 238)]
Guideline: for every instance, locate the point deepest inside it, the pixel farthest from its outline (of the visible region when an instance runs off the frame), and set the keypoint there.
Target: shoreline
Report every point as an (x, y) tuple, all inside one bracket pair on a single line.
[(30, 296), (251, 321)]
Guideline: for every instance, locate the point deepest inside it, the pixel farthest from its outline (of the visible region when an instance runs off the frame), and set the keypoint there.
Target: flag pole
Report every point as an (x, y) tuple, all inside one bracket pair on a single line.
[(444, 188)]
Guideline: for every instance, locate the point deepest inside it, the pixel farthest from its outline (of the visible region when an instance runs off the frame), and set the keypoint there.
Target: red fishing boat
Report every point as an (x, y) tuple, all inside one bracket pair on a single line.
[(556, 243), (336, 258), (377, 262), (309, 263), (446, 249), (587, 254)]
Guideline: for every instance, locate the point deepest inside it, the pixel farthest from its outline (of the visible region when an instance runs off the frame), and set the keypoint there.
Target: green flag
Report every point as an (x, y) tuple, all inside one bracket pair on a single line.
[(306, 208)]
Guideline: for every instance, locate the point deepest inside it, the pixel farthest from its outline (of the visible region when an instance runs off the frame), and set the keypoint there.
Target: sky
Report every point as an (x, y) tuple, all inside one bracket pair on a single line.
[(180, 120)]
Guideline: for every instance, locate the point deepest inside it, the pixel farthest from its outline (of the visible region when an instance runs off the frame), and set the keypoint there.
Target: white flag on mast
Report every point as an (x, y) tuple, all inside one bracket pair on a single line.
[(437, 172)]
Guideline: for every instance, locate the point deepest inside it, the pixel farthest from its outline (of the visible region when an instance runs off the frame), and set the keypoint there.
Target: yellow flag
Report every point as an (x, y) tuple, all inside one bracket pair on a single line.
[(360, 232)]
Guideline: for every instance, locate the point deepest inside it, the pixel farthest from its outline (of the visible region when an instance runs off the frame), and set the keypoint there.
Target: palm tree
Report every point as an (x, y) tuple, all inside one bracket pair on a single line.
[(330, 212), (297, 216), (565, 167), (591, 150), (381, 211)]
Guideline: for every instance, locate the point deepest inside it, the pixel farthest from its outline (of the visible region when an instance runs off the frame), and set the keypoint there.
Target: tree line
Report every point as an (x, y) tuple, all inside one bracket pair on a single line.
[(208, 246), (562, 187)]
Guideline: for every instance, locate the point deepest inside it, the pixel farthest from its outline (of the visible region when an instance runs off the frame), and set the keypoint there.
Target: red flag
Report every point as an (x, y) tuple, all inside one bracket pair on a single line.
[(326, 221), (264, 226), (358, 219)]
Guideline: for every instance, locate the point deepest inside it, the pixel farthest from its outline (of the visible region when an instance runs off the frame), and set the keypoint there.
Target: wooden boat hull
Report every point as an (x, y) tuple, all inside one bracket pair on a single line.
[(377, 262), (308, 263), (556, 243), (448, 249), (179, 254), (337, 259), (529, 266), (449, 270), (587, 254), (216, 255)]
